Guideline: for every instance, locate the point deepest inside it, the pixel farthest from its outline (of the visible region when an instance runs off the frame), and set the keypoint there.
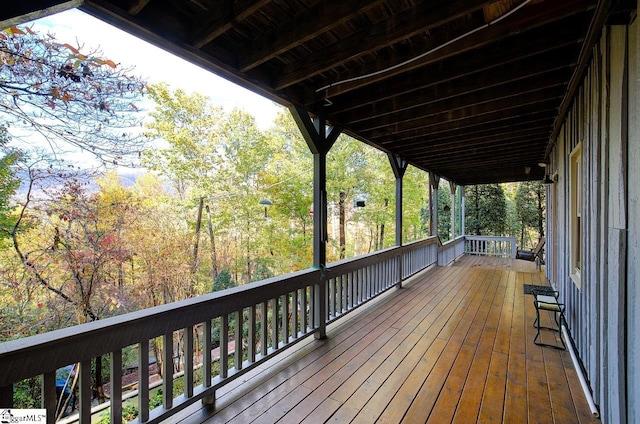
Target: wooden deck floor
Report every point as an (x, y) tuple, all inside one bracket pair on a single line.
[(454, 345)]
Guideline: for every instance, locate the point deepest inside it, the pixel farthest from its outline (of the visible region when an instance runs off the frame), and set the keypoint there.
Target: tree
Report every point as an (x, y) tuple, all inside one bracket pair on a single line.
[(223, 281), (9, 181), (444, 211), (415, 204), (530, 208), (486, 210), (52, 92)]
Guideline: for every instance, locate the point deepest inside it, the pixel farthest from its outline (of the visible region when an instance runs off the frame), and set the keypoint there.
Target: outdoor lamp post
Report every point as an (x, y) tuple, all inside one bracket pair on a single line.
[(266, 204)]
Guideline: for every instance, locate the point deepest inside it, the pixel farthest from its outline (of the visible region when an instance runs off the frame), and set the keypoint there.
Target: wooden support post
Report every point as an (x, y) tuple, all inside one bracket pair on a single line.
[(453, 187), (463, 211), (399, 167), (434, 183), (320, 139)]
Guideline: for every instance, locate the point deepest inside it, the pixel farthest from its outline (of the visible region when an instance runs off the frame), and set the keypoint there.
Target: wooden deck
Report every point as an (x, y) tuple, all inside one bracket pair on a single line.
[(454, 345)]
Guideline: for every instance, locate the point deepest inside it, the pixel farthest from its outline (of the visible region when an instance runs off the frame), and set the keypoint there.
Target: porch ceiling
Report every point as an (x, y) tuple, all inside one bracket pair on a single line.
[(469, 89)]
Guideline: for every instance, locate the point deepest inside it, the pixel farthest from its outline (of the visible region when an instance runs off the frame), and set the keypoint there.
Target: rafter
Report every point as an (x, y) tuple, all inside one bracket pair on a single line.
[(526, 19), (320, 18)]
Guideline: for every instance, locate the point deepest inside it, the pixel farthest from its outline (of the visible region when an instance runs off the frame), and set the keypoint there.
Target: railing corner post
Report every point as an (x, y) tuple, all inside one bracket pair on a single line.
[(320, 303), (400, 270), (320, 307)]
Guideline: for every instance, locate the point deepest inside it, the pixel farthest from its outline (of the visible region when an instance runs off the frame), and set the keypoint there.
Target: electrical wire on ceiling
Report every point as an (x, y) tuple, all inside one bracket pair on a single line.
[(420, 56)]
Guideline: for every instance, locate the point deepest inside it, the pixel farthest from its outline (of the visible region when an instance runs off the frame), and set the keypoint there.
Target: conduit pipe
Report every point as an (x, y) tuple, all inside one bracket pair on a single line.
[(581, 377)]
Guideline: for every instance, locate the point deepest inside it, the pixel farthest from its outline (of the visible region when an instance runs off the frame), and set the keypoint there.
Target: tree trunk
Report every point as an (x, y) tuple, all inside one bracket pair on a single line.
[(194, 265), (214, 261), (540, 193), (99, 387)]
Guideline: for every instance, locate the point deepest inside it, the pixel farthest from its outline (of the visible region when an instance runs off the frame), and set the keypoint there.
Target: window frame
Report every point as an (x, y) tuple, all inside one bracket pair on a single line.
[(576, 179)]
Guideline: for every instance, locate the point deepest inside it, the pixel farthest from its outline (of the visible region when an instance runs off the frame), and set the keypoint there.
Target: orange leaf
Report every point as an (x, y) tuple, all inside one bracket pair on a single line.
[(15, 31), (73, 49), (111, 63)]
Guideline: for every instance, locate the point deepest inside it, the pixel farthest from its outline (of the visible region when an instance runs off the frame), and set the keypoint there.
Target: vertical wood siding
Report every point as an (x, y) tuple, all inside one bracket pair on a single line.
[(633, 222), (602, 310)]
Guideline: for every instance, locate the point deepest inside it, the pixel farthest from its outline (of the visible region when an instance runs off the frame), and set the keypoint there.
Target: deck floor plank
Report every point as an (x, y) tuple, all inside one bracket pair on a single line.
[(455, 344)]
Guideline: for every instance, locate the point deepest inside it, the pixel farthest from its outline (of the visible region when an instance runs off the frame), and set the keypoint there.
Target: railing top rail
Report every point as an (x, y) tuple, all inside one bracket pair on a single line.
[(448, 244), (490, 238)]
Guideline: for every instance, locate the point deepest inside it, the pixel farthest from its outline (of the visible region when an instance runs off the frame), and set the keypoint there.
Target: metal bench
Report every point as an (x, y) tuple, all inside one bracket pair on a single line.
[(544, 302)]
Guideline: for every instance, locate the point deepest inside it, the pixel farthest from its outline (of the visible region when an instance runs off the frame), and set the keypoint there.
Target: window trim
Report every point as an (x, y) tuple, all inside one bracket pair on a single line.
[(576, 225)]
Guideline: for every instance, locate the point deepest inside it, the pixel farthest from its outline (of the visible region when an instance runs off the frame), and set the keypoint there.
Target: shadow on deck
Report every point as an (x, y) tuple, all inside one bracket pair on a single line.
[(454, 345)]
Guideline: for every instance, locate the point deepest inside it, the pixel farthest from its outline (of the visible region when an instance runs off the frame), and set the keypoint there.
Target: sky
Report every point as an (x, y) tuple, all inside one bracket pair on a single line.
[(154, 64)]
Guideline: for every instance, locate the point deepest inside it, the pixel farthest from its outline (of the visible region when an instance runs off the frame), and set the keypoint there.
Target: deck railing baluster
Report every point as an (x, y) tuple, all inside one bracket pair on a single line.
[(285, 319), (143, 382), (224, 346), (188, 361), (167, 370), (251, 342), (206, 354), (239, 318), (264, 332), (115, 379), (49, 396), (274, 323)]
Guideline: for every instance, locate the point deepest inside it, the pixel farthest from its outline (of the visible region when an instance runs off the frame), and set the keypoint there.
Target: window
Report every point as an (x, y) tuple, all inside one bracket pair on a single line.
[(575, 195)]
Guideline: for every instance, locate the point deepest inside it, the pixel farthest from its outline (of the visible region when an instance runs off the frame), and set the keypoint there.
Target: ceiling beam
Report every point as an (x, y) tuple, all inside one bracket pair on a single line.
[(19, 12), (137, 6), (528, 18), (491, 122), (419, 19), (544, 44), (461, 109), (532, 72), (224, 17), (513, 126), (320, 18), (499, 139)]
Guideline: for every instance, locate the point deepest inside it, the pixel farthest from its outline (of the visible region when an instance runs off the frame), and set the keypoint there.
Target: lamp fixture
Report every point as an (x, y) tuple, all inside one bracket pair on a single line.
[(266, 204), (547, 180)]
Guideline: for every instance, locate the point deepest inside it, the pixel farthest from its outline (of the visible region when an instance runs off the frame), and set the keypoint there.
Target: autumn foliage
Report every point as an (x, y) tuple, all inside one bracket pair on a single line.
[(53, 94)]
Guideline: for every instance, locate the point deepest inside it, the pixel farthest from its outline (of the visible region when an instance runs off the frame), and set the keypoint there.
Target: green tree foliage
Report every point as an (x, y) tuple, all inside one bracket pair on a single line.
[(530, 207), (444, 211), (9, 181), (52, 90), (513, 225), (415, 205), (223, 281), (486, 210)]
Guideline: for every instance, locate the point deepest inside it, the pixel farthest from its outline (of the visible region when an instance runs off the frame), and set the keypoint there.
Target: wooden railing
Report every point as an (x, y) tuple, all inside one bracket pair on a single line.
[(504, 247), (451, 250), (261, 319)]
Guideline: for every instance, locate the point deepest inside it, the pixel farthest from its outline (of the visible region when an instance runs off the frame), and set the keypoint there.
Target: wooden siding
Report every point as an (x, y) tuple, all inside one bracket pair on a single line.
[(454, 345), (600, 312), (633, 254)]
